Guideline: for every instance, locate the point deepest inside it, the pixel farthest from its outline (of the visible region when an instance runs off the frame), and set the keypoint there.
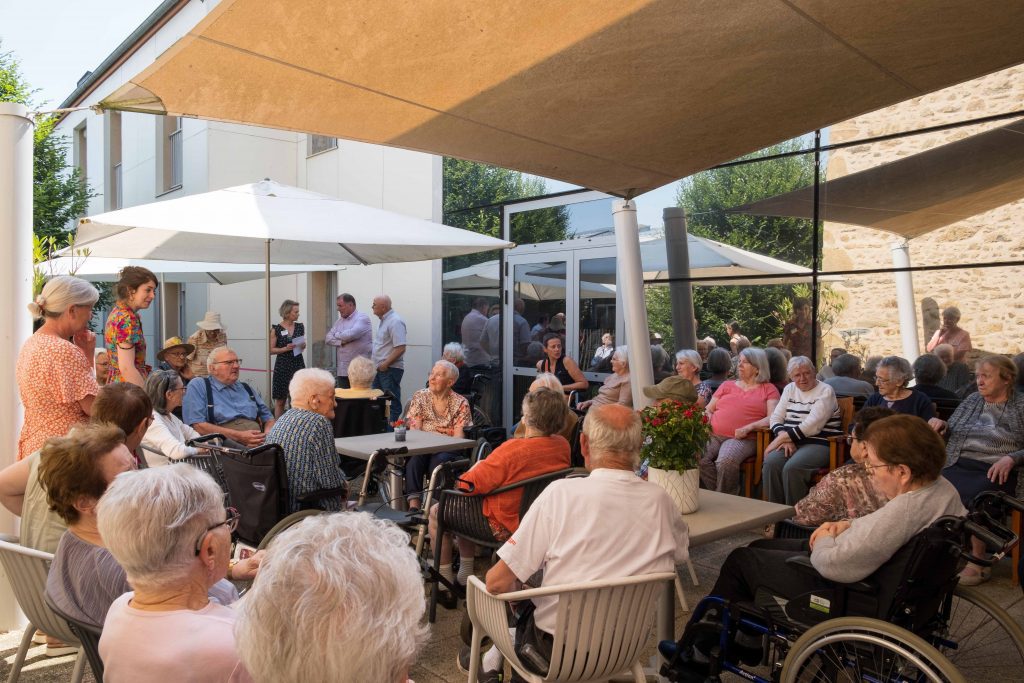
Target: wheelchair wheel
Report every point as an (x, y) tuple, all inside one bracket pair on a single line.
[(480, 418), (857, 649), (981, 639)]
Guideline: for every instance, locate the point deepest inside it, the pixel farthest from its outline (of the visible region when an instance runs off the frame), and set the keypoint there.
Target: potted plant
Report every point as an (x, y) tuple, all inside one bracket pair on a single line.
[(399, 426), (675, 435)]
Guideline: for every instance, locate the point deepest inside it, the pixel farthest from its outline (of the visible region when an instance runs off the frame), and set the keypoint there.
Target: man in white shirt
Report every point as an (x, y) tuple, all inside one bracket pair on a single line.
[(472, 333), (388, 352), (565, 531)]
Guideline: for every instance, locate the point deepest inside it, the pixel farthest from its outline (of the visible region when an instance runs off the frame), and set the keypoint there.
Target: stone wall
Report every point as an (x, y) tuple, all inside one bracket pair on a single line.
[(992, 300)]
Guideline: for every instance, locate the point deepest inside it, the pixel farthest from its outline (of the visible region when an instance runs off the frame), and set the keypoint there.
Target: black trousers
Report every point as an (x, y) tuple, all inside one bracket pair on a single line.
[(762, 564)]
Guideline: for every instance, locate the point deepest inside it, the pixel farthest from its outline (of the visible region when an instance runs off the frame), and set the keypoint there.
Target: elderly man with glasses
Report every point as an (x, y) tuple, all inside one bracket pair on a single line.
[(223, 405)]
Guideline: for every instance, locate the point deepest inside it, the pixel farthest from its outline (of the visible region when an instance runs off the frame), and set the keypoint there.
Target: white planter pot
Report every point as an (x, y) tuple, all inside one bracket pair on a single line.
[(681, 487)]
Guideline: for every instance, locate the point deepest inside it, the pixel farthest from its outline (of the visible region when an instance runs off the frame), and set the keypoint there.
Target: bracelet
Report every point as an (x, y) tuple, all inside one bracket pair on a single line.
[(231, 568)]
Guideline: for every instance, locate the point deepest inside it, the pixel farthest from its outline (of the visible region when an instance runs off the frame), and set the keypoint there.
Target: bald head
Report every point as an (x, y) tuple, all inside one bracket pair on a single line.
[(611, 437), (381, 305)]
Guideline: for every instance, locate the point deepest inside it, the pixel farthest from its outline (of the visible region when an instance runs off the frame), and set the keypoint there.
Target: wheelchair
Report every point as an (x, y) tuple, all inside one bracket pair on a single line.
[(909, 621)]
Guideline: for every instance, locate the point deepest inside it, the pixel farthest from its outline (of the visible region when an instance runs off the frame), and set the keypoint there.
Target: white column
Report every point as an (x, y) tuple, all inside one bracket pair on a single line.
[(905, 300), (16, 129), (634, 307), (678, 252)]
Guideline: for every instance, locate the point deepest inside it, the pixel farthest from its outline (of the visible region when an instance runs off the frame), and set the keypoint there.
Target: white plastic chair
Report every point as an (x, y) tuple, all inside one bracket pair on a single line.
[(26, 570), (600, 629)]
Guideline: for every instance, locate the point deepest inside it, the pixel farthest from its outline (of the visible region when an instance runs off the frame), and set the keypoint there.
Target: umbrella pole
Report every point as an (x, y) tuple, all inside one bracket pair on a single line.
[(266, 300)]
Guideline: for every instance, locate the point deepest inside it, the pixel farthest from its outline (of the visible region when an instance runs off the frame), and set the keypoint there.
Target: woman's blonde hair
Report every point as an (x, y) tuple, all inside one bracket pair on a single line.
[(61, 293)]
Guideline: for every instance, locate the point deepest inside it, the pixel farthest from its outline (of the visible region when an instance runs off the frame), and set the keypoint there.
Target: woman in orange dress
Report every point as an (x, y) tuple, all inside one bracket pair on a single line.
[(122, 335), (55, 376)]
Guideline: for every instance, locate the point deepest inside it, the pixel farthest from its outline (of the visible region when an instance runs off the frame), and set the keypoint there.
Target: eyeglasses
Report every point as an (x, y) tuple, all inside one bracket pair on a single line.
[(849, 439), (879, 380), (176, 354), (233, 517), (871, 468), (237, 361)]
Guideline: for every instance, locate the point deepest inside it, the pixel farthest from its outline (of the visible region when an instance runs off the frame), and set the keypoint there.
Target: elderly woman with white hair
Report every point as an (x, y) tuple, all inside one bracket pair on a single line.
[(166, 435), (892, 375), (168, 529), (455, 353), (951, 333), (361, 372), (435, 409), (806, 415), (55, 376), (688, 365), (306, 435), (615, 388), (338, 600), (549, 381), (738, 409)]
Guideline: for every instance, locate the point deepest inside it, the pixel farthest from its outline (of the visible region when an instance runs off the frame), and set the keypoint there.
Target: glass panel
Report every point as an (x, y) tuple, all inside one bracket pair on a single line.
[(597, 313), (573, 221), (543, 310)]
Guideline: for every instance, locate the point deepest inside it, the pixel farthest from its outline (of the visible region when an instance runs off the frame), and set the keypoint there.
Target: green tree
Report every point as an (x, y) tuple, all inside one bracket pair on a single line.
[(707, 197)]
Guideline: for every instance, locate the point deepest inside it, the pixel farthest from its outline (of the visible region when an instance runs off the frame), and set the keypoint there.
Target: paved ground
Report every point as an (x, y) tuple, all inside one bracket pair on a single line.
[(437, 663)]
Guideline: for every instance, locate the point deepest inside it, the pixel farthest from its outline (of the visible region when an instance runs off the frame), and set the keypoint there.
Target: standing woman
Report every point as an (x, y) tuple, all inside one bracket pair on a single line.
[(562, 367), (123, 336), (282, 346), (55, 376)]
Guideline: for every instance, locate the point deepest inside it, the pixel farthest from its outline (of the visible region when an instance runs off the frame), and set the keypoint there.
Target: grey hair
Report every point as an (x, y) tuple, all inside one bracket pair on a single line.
[(759, 359), (719, 360), (151, 519), (308, 381), (158, 384), (847, 365), (450, 369), (217, 353), (622, 354), (613, 442), (899, 367), (929, 369), (951, 312), (545, 410), (361, 371), (797, 361), (691, 357), (61, 293), (286, 307), (338, 599), (548, 380), (776, 364), (454, 352)]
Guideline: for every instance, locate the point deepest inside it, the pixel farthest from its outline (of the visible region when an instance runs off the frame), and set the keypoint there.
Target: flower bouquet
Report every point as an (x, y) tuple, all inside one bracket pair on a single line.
[(675, 435), (399, 426)]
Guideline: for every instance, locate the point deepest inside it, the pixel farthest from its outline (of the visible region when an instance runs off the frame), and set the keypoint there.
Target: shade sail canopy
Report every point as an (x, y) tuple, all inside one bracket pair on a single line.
[(708, 259), (233, 225), (919, 193), (100, 269), (620, 96)]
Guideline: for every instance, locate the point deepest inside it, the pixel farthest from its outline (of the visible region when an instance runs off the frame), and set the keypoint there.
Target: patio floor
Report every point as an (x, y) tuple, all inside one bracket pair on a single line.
[(437, 662)]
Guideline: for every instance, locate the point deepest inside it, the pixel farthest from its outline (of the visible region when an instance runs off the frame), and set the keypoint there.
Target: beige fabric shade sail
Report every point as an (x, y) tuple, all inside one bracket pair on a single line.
[(621, 95), (919, 193)]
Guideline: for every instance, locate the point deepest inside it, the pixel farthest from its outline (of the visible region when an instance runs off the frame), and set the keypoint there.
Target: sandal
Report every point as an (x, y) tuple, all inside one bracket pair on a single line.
[(973, 575)]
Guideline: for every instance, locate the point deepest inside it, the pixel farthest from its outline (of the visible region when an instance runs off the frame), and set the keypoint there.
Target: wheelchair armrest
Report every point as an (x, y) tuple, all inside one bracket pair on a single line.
[(802, 563), (203, 439)]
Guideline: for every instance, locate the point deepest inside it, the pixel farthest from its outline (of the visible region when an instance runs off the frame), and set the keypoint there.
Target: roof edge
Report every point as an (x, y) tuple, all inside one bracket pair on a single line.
[(157, 18)]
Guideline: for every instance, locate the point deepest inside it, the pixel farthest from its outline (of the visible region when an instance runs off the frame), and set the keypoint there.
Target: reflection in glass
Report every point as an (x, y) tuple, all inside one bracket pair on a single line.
[(597, 314)]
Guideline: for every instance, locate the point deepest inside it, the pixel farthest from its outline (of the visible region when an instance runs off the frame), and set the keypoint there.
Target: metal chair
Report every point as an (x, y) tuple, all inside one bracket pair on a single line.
[(88, 636), (600, 630), (26, 569)]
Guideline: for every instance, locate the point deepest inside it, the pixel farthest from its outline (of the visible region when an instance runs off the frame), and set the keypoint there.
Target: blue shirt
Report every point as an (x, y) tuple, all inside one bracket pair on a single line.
[(230, 402), (390, 333), (307, 439)]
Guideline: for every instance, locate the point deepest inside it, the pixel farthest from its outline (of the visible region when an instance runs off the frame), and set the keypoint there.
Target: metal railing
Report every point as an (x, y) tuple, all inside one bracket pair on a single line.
[(176, 158)]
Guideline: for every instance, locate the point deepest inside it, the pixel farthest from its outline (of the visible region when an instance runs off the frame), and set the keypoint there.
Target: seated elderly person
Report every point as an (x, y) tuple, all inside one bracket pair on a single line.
[(566, 533), (84, 579), (929, 371), (719, 364), (674, 388), (435, 409), (985, 442), (361, 372), (165, 439), (738, 409), (455, 353), (338, 600), (541, 451), (958, 377), (688, 365), (306, 435), (777, 361), (892, 377), (807, 414), (221, 404), (546, 379), (168, 529), (615, 388), (904, 458), (847, 492), (845, 380)]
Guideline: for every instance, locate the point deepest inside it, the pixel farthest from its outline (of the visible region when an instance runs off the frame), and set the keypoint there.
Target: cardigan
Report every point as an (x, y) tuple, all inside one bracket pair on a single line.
[(966, 414)]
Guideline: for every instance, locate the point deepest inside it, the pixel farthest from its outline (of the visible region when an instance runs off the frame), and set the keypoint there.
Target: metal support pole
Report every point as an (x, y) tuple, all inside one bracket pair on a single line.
[(815, 248), (266, 298), (681, 292), (634, 307), (905, 299), (16, 133)]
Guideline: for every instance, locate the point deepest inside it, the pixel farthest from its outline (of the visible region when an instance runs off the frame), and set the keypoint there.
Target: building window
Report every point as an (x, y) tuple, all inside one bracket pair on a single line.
[(169, 154), (114, 192), (320, 143), (81, 151)]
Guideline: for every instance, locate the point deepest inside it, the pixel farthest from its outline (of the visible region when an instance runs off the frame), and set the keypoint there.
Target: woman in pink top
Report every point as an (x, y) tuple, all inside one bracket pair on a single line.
[(737, 409)]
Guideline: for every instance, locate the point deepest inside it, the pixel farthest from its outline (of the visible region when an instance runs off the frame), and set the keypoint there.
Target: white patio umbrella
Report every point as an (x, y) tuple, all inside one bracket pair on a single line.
[(103, 269), (483, 279), (271, 222)]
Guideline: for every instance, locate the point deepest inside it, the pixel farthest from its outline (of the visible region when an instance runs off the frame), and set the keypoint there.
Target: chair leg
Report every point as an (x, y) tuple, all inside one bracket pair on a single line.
[(19, 658), (474, 655), (693, 574), (680, 595), (638, 673), (79, 670)]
